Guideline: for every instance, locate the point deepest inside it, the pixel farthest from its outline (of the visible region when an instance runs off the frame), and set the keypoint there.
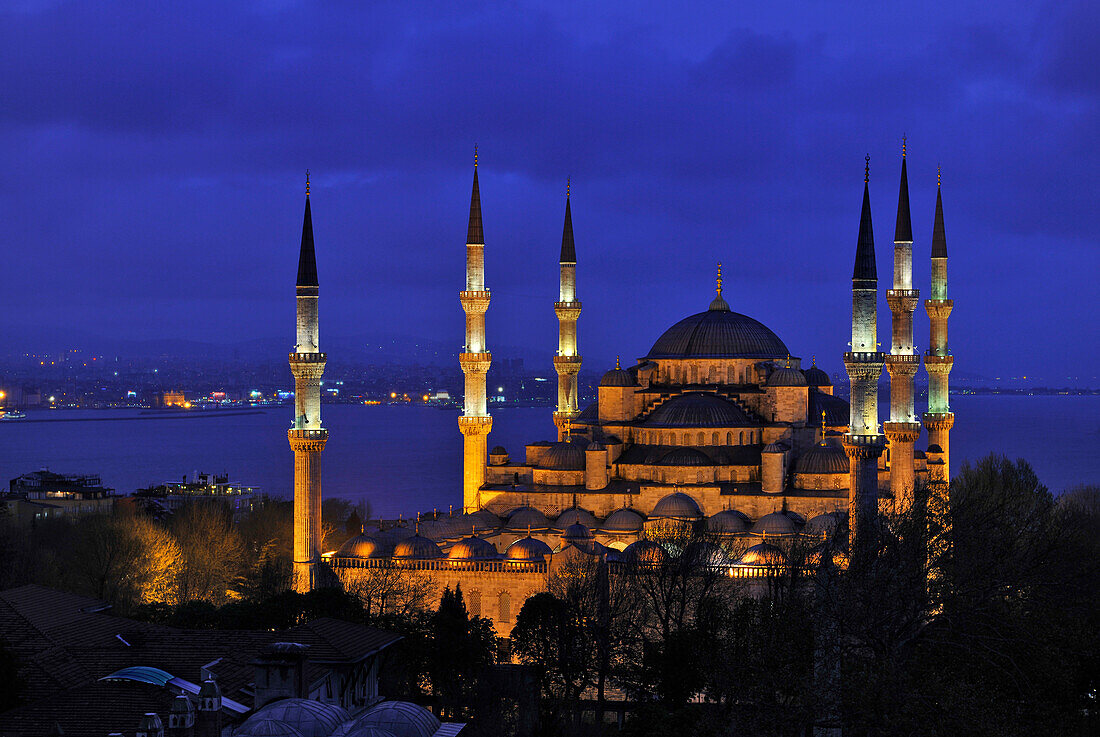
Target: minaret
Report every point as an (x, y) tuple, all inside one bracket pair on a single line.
[(307, 437), (863, 443), (902, 362), (939, 419), (475, 422), (567, 363)]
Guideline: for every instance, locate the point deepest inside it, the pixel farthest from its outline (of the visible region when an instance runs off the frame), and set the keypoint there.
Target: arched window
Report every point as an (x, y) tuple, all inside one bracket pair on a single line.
[(473, 603), (699, 477), (505, 607), (702, 438), (714, 439), (729, 438), (741, 438)]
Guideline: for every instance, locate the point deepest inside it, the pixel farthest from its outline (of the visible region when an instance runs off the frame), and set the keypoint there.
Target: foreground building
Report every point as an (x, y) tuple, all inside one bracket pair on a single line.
[(718, 424)]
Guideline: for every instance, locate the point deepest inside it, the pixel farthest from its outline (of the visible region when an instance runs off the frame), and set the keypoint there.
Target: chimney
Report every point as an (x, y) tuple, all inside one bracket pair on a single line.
[(280, 673), (181, 718), (150, 726)]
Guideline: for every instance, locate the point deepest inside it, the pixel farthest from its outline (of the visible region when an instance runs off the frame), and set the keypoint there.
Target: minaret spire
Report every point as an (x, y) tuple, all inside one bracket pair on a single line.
[(475, 359), (863, 444), (903, 429), (938, 360), (567, 361), (307, 437)]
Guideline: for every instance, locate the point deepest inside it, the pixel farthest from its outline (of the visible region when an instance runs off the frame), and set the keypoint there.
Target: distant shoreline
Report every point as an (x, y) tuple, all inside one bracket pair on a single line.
[(143, 416)]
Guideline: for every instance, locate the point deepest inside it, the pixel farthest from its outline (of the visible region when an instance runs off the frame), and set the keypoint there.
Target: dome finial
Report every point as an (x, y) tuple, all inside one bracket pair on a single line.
[(617, 366), (719, 290), (475, 155), (938, 172), (568, 182), (307, 182), (813, 360), (903, 145), (788, 360), (823, 427), (867, 168)]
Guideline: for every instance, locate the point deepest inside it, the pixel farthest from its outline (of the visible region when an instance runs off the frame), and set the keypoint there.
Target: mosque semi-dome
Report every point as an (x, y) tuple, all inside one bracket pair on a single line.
[(623, 520), (527, 550), (816, 377), (728, 522), (699, 409), (618, 377), (378, 545), (718, 333), (822, 458), (677, 506), (574, 516), (763, 554), (685, 457), (645, 552), (775, 523), (567, 455), (400, 718), (786, 376), (525, 518), (472, 548), (416, 548)]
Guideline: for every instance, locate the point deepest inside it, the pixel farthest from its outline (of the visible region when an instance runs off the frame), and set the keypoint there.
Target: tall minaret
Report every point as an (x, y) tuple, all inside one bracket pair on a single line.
[(567, 363), (863, 443), (902, 362), (307, 437), (475, 422), (938, 419)]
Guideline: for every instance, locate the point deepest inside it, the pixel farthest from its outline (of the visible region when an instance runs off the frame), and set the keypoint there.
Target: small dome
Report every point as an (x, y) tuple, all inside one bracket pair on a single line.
[(618, 377), (685, 457), (378, 545), (623, 520), (573, 516), (729, 522), (775, 523), (416, 547), (308, 717), (209, 689), (400, 718), (645, 552), (797, 518), (490, 519), (567, 455), (266, 728), (775, 448), (350, 730), (595, 445), (472, 548), (576, 532), (817, 377), (934, 449), (786, 376), (763, 554), (498, 450), (182, 705), (698, 409), (528, 550), (822, 458), (475, 522), (678, 505), (824, 523), (704, 553), (528, 518)]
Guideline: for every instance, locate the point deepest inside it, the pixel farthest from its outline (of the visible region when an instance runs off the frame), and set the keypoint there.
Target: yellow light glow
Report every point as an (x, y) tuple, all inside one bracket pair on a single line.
[(393, 395)]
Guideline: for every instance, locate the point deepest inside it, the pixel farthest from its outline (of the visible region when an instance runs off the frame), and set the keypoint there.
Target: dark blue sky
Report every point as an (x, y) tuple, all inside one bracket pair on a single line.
[(154, 154)]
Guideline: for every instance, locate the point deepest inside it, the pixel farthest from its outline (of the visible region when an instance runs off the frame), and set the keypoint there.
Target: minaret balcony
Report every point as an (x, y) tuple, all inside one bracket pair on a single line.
[(914, 293), (864, 357), (902, 300), (567, 364), (315, 357), (895, 358)]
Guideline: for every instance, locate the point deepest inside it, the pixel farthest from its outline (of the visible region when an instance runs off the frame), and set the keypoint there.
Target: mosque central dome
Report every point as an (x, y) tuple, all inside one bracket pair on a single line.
[(718, 333)]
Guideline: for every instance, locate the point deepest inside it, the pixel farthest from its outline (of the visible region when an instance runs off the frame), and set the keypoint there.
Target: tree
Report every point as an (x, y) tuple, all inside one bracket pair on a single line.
[(462, 647), (125, 560), (212, 553)]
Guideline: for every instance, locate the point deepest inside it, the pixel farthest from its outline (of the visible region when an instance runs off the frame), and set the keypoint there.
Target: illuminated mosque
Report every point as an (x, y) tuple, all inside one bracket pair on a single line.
[(718, 425)]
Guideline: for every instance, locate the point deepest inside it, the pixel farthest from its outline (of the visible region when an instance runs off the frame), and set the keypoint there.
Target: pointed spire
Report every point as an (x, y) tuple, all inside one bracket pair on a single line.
[(568, 250), (474, 233), (903, 230), (865, 247), (939, 238), (307, 257)]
